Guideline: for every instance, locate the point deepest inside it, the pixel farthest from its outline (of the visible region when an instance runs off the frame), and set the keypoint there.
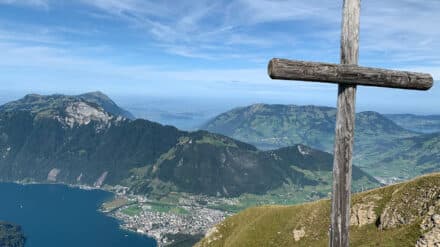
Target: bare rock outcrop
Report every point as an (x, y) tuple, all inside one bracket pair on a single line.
[(83, 113), (101, 179), (431, 227), (212, 235), (408, 204), (363, 213), (432, 237), (53, 174), (298, 234)]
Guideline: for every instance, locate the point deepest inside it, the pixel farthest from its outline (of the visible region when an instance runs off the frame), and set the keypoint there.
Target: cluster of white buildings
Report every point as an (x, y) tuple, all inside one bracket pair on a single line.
[(193, 220)]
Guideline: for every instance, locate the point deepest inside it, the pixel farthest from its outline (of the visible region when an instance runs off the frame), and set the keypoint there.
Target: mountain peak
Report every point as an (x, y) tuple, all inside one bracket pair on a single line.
[(69, 110), (32, 97), (105, 102), (95, 94)]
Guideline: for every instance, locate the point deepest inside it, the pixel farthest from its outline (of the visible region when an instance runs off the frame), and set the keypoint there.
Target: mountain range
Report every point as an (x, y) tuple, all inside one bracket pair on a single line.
[(261, 149), (382, 147), (275, 126), (88, 139), (423, 124)]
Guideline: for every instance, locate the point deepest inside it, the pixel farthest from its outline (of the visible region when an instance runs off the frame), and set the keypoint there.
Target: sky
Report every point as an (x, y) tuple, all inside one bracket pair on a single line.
[(219, 50)]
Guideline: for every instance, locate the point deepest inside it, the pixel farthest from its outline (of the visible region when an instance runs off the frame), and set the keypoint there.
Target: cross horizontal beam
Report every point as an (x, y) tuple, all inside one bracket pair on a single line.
[(347, 74)]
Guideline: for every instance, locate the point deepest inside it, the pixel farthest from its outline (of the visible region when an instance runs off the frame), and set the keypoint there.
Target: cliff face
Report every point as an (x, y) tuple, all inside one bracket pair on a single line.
[(406, 214)]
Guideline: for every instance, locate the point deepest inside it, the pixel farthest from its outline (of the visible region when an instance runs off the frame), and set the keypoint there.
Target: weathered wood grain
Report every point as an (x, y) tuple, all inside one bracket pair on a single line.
[(345, 122), (342, 165), (348, 74)]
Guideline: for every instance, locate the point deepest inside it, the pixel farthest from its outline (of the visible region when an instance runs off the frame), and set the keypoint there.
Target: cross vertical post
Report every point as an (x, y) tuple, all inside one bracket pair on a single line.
[(348, 75), (344, 136)]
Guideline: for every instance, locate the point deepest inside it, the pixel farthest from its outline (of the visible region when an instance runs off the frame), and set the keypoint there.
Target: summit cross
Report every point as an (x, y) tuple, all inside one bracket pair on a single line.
[(348, 75)]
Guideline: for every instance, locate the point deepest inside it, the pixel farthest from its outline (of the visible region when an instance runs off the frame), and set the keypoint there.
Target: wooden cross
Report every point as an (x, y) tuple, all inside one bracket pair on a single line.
[(348, 75)]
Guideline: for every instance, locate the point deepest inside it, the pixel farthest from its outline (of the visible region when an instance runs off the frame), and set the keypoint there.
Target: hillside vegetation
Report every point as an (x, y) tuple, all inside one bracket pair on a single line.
[(404, 158), (207, 164), (382, 148), (424, 124), (406, 214), (274, 126), (87, 139), (11, 235)]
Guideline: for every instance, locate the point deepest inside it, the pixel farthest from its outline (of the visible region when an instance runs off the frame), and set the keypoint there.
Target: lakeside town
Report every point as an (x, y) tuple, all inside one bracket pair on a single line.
[(178, 216), (190, 215)]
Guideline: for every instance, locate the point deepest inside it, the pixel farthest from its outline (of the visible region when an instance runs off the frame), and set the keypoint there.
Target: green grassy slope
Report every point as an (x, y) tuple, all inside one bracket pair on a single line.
[(391, 216), (405, 158), (219, 166)]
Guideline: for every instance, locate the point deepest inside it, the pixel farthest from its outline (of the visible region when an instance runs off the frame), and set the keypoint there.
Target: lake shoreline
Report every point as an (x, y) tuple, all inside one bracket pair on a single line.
[(69, 206), (162, 237)]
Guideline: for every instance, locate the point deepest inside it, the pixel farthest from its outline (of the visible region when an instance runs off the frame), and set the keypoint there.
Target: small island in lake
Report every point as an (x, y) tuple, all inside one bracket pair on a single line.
[(11, 235)]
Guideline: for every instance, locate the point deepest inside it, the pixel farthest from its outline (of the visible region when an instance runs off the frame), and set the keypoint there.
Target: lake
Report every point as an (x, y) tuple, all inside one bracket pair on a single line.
[(57, 215)]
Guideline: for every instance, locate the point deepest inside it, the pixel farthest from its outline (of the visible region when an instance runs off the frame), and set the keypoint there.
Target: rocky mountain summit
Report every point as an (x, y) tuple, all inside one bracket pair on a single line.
[(106, 103), (406, 214), (82, 113), (70, 111)]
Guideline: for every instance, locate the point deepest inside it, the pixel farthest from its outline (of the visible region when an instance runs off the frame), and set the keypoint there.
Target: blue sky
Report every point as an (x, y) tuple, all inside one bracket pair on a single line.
[(211, 49)]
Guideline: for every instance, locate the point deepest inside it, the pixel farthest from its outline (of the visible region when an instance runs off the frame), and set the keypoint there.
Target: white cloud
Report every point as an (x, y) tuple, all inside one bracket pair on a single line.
[(433, 70), (50, 61), (397, 34), (400, 32), (191, 29), (262, 11), (33, 3), (401, 26)]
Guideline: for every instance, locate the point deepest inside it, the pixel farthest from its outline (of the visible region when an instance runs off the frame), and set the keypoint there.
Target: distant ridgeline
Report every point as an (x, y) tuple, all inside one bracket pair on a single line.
[(275, 126), (382, 147), (88, 139), (423, 124), (11, 235)]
